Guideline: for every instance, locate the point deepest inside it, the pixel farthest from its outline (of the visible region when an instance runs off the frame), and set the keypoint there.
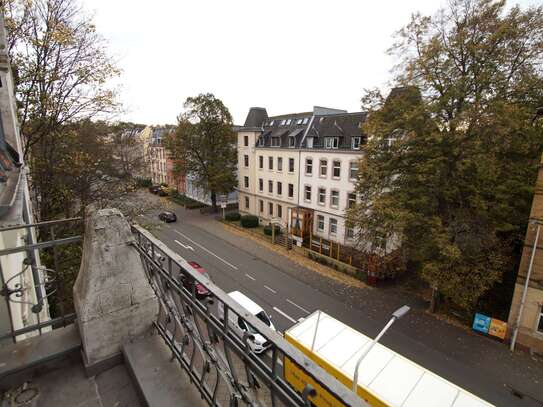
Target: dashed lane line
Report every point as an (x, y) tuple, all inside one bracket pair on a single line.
[(270, 289), (297, 306), (249, 276), (207, 250), (285, 315)]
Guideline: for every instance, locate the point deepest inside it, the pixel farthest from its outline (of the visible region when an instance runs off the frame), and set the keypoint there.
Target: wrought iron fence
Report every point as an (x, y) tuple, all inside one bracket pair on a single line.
[(220, 361), (37, 276)]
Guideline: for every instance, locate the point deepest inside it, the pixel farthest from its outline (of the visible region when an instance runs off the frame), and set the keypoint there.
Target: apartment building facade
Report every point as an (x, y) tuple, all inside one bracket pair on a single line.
[(300, 162)]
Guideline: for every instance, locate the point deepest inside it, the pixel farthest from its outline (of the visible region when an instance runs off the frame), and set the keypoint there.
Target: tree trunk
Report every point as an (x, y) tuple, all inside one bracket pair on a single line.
[(214, 201)]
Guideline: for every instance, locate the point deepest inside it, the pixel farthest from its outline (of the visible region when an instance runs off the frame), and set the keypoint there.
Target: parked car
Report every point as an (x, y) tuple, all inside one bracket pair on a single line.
[(201, 291), (257, 342), (154, 189), (167, 216), (163, 191)]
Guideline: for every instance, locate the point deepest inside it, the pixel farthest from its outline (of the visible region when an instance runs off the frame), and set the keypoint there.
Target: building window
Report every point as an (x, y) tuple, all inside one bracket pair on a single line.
[(279, 163), (334, 199), (289, 121), (270, 209), (272, 122), (351, 200), (260, 184), (320, 223), (322, 196), (270, 163), (307, 193), (308, 166), (260, 162), (349, 231), (270, 187), (291, 142), (331, 142), (261, 205), (276, 142), (283, 122), (246, 160), (355, 143), (333, 226), (246, 202), (279, 211), (261, 141), (306, 120), (291, 165), (336, 169), (290, 190), (540, 322), (309, 142), (323, 168), (246, 182), (353, 170), (246, 141), (279, 188)]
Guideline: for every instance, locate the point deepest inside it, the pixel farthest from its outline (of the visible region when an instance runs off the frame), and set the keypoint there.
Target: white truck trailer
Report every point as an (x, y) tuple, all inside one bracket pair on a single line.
[(386, 379)]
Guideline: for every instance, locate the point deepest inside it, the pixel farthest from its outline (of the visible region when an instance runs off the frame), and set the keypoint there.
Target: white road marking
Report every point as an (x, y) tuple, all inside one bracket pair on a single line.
[(183, 246), (249, 276), (285, 315), (209, 251), (270, 289), (297, 306)]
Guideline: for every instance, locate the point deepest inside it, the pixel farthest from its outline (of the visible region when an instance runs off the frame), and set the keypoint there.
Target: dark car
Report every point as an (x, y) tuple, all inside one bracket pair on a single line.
[(201, 291), (167, 217), (154, 189)]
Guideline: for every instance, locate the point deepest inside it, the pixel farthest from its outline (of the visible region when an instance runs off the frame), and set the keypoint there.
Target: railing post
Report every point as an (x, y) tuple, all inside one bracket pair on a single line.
[(113, 299)]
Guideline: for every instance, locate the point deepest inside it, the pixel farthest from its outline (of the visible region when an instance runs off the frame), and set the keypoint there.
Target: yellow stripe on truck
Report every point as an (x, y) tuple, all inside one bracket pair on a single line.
[(297, 378)]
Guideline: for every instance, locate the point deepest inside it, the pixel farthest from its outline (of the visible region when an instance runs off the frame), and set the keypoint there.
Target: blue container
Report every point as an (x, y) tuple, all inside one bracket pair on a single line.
[(481, 323)]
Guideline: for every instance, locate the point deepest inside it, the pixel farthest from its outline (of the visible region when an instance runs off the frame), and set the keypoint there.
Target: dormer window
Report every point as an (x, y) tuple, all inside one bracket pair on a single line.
[(276, 142), (292, 142), (355, 143), (299, 121), (331, 142), (309, 142), (306, 120), (289, 121), (261, 141), (283, 122)]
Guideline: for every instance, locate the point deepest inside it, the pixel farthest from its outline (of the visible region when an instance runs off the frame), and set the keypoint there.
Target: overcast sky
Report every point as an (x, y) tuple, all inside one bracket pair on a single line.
[(286, 56)]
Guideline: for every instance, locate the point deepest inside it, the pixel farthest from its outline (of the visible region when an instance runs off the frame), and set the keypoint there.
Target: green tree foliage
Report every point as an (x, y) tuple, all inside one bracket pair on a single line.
[(449, 168), (204, 145)]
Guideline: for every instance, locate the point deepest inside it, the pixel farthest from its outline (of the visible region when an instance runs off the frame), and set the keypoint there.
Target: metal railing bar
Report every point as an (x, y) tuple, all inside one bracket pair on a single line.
[(70, 317), (46, 223), (42, 245)]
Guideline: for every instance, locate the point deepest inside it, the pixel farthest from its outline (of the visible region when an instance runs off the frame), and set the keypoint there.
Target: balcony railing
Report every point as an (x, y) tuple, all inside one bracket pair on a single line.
[(219, 361), (37, 276)]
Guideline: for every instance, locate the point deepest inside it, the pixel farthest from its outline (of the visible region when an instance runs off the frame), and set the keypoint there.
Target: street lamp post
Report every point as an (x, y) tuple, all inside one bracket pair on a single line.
[(400, 312)]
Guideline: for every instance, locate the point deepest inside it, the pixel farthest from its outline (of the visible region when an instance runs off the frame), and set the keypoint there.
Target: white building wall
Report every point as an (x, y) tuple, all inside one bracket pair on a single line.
[(343, 184)]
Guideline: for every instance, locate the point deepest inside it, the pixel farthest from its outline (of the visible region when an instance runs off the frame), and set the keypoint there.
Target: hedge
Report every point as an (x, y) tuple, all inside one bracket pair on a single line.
[(232, 216), (268, 230), (249, 221)]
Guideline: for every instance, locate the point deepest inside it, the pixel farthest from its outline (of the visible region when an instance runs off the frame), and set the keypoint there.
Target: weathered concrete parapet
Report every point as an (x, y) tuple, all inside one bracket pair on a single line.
[(113, 299)]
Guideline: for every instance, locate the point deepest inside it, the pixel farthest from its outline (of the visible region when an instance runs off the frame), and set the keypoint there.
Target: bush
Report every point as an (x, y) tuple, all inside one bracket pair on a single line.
[(232, 216), (268, 230), (144, 182), (249, 221)]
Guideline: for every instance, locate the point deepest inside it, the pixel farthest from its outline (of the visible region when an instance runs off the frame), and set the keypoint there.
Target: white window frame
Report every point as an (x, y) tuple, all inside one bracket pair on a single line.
[(307, 188), (334, 168), (349, 199), (290, 159), (309, 142), (331, 143), (332, 191), (246, 182), (347, 229), (291, 142), (332, 221), (275, 142), (351, 169), (323, 160), (319, 219), (355, 142), (319, 202), (280, 164), (309, 174)]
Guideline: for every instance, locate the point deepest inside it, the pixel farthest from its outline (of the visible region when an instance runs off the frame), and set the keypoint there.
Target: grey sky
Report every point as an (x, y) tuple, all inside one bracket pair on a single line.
[(283, 55)]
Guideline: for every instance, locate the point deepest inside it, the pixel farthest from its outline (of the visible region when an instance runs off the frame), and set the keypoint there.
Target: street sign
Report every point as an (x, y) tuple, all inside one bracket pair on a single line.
[(481, 323), (223, 205)]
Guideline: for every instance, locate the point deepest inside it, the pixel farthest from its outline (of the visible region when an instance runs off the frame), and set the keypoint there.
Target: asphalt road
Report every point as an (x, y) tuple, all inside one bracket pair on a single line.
[(286, 299)]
